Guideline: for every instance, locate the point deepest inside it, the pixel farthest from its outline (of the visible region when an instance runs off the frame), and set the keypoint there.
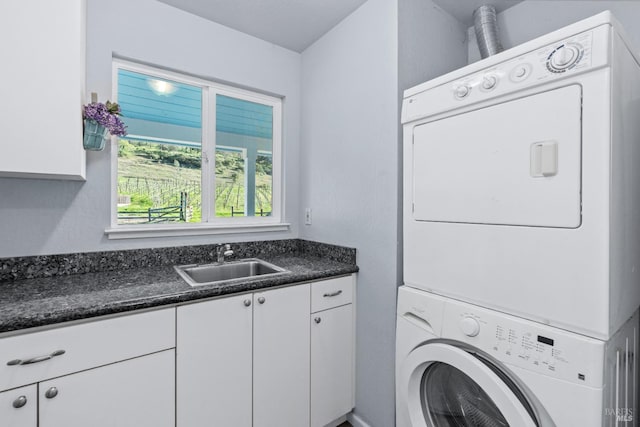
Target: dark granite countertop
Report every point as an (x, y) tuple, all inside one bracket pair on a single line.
[(61, 297)]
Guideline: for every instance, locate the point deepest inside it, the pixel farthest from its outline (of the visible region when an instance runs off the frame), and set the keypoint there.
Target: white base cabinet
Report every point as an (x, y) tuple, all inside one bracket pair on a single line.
[(255, 360), (118, 372), (332, 350), (244, 360), (281, 357)]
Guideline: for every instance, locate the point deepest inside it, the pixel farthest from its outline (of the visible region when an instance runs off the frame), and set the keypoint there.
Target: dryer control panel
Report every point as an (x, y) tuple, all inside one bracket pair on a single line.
[(570, 55), (561, 59), (526, 344)]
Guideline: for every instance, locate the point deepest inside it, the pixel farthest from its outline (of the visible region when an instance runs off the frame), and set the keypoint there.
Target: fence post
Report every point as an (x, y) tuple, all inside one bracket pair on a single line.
[(231, 210), (183, 206), (149, 214)]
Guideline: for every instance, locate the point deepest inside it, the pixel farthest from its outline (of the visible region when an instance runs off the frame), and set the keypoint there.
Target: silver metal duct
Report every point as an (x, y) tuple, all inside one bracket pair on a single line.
[(486, 27)]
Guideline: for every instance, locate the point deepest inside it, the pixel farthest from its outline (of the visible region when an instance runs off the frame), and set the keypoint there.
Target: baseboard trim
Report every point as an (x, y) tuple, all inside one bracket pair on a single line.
[(356, 421)]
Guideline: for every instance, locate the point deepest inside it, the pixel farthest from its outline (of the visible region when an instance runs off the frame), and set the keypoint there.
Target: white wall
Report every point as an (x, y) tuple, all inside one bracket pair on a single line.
[(431, 42), (349, 179), (531, 19), (352, 82), (47, 217)]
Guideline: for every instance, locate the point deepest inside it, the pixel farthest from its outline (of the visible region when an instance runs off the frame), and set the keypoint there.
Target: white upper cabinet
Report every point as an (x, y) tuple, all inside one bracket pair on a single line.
[(42, 82)]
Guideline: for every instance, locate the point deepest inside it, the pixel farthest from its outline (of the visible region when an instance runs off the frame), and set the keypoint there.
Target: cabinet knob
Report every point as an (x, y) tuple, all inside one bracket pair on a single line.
[(317, 320), (261, 300), (51, 393), (247, 302), (20, 402)]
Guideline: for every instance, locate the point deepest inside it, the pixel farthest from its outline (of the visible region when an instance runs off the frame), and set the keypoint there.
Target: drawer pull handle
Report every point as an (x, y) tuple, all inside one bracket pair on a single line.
[(36, 359), (20, 402), (247, 302), (261, 300), (317, 320), (332, 294)]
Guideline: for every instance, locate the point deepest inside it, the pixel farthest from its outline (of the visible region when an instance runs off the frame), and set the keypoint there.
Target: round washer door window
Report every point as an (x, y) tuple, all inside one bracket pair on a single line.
[(450, 398), (448, 387)]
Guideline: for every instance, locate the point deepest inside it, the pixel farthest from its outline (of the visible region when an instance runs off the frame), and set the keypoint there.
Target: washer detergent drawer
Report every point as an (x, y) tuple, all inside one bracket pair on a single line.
[(515, 163)]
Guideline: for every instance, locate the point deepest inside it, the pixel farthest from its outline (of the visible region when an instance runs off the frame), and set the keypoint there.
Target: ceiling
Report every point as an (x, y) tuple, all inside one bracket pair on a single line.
[(293, 24), (296, 24)]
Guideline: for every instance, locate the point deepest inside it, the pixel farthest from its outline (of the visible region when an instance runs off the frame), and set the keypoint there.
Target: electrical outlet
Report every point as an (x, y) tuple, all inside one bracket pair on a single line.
[(307, 216)]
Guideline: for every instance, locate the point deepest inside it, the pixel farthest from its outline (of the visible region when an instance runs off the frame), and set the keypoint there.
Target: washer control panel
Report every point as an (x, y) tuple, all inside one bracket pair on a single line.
[(526, 344)]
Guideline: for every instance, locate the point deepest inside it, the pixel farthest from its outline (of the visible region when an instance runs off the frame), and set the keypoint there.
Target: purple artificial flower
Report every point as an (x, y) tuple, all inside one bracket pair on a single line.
[(106, 115)]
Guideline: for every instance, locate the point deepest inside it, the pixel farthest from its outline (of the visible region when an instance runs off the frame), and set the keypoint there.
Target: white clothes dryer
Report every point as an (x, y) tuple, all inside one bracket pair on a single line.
[(458, 364), (521, 180)]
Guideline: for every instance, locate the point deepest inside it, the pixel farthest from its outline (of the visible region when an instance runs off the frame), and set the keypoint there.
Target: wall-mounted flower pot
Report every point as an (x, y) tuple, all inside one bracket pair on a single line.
[(95, 135)]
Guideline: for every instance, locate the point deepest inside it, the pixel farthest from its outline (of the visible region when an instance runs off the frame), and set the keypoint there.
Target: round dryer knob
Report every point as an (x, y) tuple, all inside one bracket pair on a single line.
[(564, 57), (489, 81), (461, 91), (470, 326)]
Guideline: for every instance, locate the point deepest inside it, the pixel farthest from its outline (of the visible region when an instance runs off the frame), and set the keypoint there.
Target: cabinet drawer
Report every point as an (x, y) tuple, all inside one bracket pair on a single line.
[(331, 293), (85, 346)]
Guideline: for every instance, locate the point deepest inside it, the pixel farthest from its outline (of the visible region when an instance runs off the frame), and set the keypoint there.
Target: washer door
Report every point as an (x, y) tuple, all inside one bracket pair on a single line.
[(449, 387)]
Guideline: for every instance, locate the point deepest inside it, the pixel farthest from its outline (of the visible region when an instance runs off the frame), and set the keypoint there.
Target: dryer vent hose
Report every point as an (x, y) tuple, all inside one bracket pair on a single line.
[(486, 27)]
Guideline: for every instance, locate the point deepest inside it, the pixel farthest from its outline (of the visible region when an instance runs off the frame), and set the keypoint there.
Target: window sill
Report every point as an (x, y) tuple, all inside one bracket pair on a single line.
[(138, 232)]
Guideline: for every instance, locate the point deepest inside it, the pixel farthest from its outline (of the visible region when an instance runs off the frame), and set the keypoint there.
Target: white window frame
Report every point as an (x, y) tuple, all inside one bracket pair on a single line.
[(210, 224)]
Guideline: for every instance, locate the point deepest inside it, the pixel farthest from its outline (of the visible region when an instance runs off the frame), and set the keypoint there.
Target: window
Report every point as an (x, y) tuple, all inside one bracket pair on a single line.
[(198, 155)]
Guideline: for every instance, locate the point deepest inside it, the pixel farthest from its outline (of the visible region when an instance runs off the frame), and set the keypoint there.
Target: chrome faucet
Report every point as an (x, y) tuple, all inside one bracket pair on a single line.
[(224, 250)]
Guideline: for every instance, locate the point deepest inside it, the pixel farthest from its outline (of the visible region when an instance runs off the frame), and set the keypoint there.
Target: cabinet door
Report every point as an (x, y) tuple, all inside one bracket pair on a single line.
[(281, 357), (19, 407), (138, 392), (43, 89), (214, 347), (331, 364)]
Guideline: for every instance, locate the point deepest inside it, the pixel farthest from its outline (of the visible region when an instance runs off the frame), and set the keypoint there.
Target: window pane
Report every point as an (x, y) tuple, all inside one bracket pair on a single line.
[(229, 183), (159, 161), (158, 183), (244, 147)]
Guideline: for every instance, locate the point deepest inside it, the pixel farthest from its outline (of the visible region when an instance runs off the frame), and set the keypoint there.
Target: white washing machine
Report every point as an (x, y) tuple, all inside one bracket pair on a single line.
[(463, 365), (521, 180)]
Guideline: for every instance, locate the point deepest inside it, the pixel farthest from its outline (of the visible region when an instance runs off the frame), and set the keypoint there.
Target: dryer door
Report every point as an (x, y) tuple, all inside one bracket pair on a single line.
[(449, 387), (515, 163)]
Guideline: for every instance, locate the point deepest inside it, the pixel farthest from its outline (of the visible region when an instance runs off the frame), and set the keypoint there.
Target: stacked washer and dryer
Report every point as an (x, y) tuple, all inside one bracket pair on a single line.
[(522, 237)]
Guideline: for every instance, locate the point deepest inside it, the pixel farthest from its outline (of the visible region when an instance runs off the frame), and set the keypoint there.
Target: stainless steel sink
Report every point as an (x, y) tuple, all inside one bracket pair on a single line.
[(208, 274)]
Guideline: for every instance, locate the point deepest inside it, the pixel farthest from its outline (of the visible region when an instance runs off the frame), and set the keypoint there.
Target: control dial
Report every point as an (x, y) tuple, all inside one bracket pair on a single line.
[(461, 91), (469, 326), (564, 57), (489, 81)]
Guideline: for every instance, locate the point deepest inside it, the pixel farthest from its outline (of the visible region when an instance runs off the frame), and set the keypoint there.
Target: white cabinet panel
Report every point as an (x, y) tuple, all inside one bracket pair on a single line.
[(331, 364), (331, 293), (85, 346), (42, 84), (214, 355), (281, 357), (134, 393), (19, 407)]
